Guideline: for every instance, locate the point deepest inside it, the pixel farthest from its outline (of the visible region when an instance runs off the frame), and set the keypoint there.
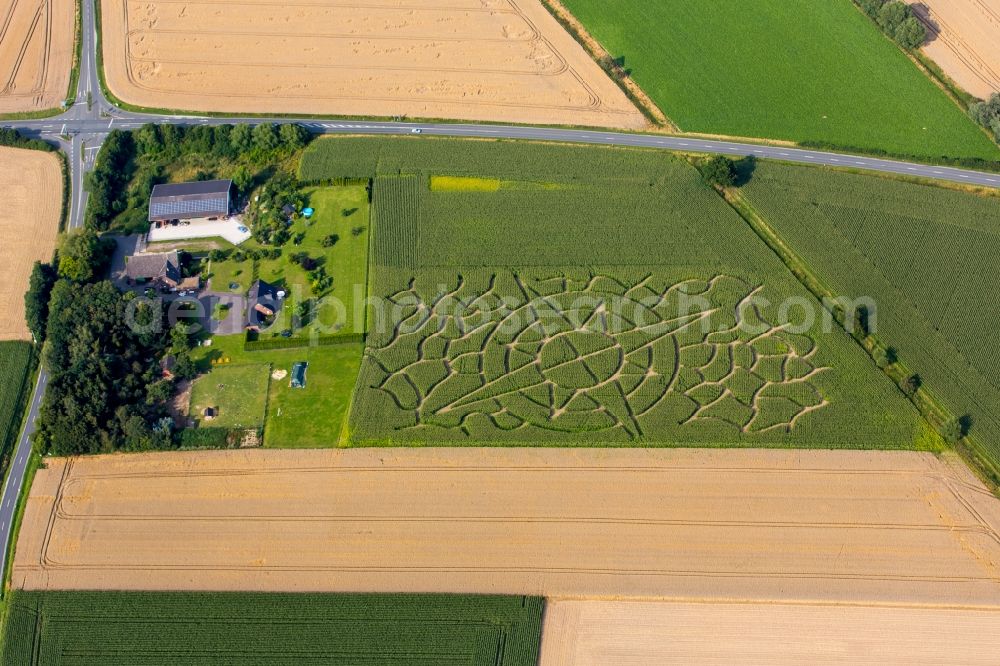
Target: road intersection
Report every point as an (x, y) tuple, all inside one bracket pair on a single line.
[(81, 128)]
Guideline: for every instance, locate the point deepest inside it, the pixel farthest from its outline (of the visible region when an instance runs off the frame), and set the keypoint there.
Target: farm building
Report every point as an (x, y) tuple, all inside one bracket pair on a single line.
[(159, 269), (199, 201), (263, 302)]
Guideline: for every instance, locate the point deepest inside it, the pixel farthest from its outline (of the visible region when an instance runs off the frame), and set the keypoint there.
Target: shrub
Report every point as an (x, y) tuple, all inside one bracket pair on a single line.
[(952, 431), (719, 171), (331, 240)]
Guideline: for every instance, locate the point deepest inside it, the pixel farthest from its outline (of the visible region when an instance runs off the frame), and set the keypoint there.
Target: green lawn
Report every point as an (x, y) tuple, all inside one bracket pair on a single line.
[(238, 391), (225, 273), (800, 70), (312, 417), (340, 211), (247, 628)]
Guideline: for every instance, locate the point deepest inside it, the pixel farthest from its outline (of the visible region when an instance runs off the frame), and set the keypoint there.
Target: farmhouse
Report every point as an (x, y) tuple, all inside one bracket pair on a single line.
[(263, 303), (202, 201), (160, 269)]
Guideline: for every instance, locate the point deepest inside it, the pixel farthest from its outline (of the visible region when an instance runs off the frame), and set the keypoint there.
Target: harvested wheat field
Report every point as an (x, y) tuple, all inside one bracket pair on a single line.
[(964, 39), (833, 526), (31, 183), (36, 53), (596, 633), (500, 60)]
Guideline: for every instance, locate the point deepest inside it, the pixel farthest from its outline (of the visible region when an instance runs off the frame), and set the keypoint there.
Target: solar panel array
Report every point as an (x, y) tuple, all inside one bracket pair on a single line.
[(189, 207)]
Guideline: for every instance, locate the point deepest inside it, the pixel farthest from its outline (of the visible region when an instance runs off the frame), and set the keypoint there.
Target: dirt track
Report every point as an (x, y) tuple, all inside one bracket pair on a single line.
[(964, 41), (501, 60), (36, 53), (31, 186), (834, 526), (597, 633)]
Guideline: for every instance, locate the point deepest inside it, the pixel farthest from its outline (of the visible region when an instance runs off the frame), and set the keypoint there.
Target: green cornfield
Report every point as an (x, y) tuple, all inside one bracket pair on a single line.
[(799, 70), (396, 209), (138, 628), (15, 362), (467, 339), (928, 257)]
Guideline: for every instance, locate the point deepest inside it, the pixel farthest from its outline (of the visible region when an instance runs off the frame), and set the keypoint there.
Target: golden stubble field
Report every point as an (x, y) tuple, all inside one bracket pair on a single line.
[(494, 60), (36, 53), (31, 183), (833, 527), (630, 633), (964, 41)]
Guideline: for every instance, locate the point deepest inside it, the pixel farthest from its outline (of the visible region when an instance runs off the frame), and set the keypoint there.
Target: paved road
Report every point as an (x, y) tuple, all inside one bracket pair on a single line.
[(18, 466), (81, 129)]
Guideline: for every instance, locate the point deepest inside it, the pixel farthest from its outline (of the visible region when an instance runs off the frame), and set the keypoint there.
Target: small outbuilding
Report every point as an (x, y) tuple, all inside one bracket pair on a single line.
[(263, 302), (209, 414)]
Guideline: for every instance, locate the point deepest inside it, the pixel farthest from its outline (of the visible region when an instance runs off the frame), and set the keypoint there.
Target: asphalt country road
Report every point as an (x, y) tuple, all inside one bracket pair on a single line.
[(18, 467), (81, 130)]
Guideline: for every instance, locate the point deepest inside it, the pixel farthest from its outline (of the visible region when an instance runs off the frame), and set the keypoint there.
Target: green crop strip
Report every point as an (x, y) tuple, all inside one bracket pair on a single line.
[(138, 628)]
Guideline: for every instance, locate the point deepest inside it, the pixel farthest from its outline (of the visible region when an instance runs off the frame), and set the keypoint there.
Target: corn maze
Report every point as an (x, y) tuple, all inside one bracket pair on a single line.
[(625, 240), (138, 628), (508, 352)]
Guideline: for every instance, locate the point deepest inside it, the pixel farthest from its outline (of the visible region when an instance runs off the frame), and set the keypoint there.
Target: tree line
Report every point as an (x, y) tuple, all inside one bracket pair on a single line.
[(897, 20), (987, 114), (130, 164)]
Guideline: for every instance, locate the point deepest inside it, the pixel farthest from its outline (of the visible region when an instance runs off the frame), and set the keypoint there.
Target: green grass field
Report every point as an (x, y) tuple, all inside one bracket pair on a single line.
[(15, 362), (340, 211), (470, 345), (798, 70), (929, 257), (139, 628), (313, 417), (238, 392)]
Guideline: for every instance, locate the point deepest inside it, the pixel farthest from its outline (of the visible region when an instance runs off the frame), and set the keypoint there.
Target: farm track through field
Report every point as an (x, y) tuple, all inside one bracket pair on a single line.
[(908, 528)]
